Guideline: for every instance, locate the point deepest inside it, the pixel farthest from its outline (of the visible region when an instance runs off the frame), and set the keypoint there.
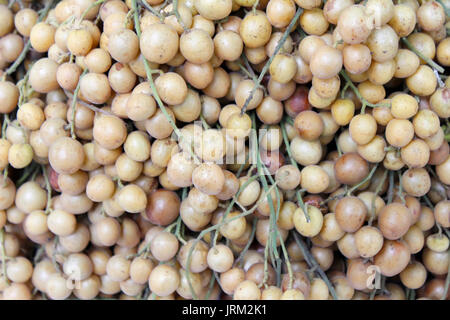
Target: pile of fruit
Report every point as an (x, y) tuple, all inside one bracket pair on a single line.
[(224, 149)]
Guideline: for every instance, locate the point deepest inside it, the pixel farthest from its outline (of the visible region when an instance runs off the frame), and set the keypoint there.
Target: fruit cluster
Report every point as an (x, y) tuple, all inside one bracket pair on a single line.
[(224, 149)]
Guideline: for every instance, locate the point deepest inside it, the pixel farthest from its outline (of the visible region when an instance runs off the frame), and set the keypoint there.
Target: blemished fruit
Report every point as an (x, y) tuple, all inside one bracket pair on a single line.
[(224, 149)]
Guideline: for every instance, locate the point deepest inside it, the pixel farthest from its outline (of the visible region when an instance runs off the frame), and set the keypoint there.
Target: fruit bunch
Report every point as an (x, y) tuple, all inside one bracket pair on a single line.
[(224, 149)]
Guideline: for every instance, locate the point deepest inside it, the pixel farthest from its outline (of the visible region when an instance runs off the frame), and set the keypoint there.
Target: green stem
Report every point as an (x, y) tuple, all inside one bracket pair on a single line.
[(277, 48), (428, 202), (412, 295), (377, 191), (400, 187), (204, 123), (5, 125), (287, 144), (391, 187), (74, 104), (91, 6), (369, 176), (273, 218), (311, 261), (447, 10), (216, 227), (255, 5), (302, 204), (358, 94), (430, 62), (89, 106), (38, 255), (177, 230), (338, 148), (152, 10), (49, 189), (54, 262), (266, 264), (247, 73), (210, 287), (27, 172), (249, 242), (149, 73), (249, 67), (288, 263), (238, 173), (447, 137), (177, 14), (5, 174), (344, 90)]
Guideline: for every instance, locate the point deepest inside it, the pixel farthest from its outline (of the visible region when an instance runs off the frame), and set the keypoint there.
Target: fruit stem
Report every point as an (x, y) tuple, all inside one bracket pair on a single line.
[(5, 174), (358, 94), (177, 14), (247, 73), (74, 104), (274, 229), (152, 10), (400, 187), (248, 66), (238, 173), (27, 47), (49, 189), (255, 5), (55, 244), (26, 173), (377, 191), (266, 265), (24, 89), (302, 204), (5, 125), (288, 263), (277, 48), (287, 144), (447, 10), (391, 187), (217, 226), (430, 62), (177, 230), (263, 171), (38, 254), (249, 242), (338, 148), (210, 286), (230, 206), (336, 197), (439, 80), (311, 261), (369, 176), (91, 6), (89, 106), (149, 73), (204, 123), (344, 90)]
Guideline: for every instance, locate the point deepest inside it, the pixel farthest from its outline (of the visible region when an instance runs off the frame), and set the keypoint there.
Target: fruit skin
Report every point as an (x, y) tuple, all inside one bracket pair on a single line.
[(162, 207), (351, 168), (392, 258)]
